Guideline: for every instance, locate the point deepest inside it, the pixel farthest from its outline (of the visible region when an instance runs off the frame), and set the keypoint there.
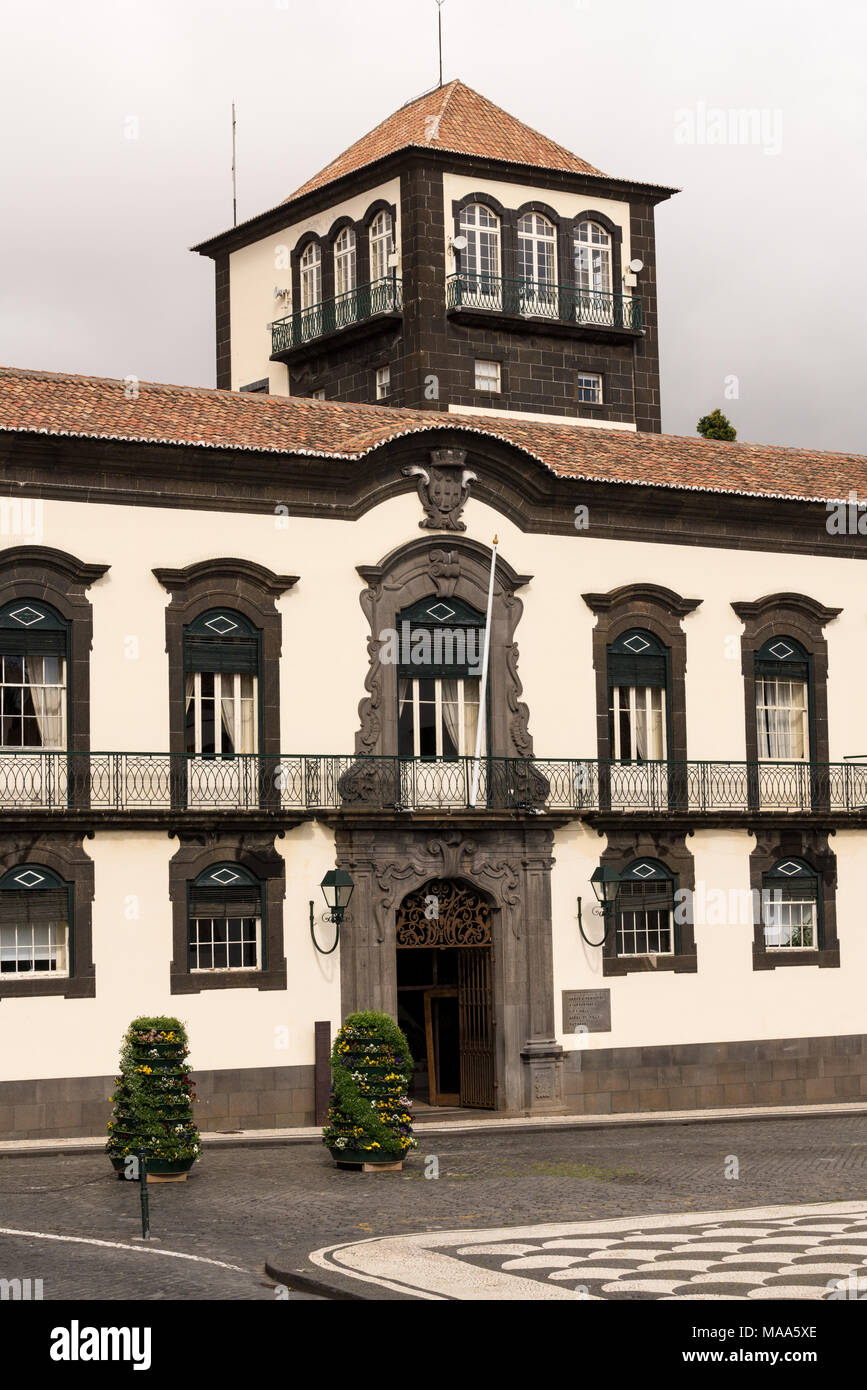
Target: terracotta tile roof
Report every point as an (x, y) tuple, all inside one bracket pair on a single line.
[(97, 408), (453, 118)]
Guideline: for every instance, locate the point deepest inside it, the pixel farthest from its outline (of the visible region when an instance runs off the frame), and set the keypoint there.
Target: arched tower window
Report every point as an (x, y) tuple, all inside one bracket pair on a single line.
[(480, 261), (381, 238), (592, 257), (345, 261), (537, 264), (311, 275)]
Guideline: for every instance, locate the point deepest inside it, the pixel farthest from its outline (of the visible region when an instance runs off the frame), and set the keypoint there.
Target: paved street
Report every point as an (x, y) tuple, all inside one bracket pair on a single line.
[(282, 1204)]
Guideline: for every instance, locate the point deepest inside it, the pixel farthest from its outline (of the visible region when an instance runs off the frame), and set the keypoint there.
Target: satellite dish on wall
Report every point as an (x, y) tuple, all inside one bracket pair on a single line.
[(636, 265), (459, 243)]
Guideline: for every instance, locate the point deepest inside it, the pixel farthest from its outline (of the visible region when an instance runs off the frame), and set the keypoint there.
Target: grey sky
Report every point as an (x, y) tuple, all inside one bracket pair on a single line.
[(761, 274)]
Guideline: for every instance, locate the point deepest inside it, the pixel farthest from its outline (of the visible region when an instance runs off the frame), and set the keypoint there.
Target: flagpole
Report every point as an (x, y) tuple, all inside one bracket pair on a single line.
[(480, 727)]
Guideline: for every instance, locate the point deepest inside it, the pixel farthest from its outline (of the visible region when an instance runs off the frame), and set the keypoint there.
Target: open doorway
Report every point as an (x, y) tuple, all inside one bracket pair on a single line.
[(444, 992)]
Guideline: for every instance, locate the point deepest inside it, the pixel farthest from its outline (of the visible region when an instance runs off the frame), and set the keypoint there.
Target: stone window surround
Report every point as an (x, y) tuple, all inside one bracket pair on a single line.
[(251, 590), (63, 853), (813, 848), (257, 854), (659, 611), (625, 846), (53, 576), (565, 231), (787, 615), (361, 227), (442, 568)]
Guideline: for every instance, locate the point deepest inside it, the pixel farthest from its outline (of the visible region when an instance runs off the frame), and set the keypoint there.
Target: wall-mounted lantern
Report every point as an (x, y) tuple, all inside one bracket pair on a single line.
[(337, 886)]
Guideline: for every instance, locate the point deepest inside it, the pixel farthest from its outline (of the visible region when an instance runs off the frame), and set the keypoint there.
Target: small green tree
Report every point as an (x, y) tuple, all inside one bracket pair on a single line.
[(153, 1098), (716, 426), (370, 1110)]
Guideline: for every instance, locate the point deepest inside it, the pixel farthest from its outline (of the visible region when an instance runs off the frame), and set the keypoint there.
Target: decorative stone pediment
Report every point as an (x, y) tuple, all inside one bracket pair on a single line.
[(443, 489)]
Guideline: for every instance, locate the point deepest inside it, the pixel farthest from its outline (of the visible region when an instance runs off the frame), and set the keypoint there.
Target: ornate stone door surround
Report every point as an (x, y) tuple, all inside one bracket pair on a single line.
[(511, 863)]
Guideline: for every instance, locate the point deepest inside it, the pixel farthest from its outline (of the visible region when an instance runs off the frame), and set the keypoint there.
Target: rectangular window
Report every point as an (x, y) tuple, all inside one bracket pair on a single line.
[(789, 918), (590, 388), (221, 713), (644, 920), (782, 719), (224, 942), (317, 395), (636, 723), (383, 382), (438, 718), (33, 701), (34, 948), (488, 375)]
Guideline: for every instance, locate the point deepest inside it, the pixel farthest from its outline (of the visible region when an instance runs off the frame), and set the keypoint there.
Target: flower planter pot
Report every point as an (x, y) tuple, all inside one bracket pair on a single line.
[(159, 1169), (364, 1159)]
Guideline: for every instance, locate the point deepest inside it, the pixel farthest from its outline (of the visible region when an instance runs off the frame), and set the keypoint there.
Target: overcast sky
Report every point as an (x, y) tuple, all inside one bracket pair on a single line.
[(761, 273)]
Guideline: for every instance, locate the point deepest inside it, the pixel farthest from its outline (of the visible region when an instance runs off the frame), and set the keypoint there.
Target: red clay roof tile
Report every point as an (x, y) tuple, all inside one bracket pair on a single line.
[(101, 408)]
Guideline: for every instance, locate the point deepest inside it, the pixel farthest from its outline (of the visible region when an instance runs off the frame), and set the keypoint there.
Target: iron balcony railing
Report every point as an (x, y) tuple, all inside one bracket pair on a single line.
[(143, 782), (543, 299), (378, 297)]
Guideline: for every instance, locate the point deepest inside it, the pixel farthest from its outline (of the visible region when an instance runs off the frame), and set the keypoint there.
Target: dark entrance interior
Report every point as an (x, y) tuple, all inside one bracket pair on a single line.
[(444, 994)]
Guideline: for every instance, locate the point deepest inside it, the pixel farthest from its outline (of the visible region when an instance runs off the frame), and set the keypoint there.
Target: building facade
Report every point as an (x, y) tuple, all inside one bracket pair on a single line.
[(242, 639)]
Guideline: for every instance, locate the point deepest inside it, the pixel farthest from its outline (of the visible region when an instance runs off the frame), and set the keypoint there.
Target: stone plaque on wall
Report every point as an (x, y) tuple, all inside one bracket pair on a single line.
[(586, 1010)]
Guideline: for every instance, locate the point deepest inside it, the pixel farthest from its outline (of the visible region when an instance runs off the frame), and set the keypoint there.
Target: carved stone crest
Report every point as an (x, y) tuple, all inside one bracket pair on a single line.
[(443, 489)]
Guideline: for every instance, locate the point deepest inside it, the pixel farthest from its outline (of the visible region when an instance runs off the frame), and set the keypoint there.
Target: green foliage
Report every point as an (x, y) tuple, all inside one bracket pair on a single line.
[(153, 1098), (370, 1110), (716, 426)]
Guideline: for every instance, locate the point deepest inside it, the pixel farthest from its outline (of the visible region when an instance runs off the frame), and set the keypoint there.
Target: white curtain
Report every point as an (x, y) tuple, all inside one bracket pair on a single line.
[(47, 703), (451, 712)]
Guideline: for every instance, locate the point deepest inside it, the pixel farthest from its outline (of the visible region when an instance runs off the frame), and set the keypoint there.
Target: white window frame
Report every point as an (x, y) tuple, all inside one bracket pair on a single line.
[(635, 927), (193, 948), (537, 254), (383, 383), (593, 261), (638, 702), (345, 262), (784, 923), (590, 381), (495, 375), (481, 259), (778, 722), (317, 395), (381, 242), (438, 713), (310, 268), (235, 691), (58, 943), (25, 684)]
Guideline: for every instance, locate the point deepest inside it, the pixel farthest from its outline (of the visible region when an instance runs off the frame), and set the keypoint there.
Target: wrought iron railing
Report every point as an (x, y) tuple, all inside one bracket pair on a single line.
[(544, 299), (141, 782), (378, 297)]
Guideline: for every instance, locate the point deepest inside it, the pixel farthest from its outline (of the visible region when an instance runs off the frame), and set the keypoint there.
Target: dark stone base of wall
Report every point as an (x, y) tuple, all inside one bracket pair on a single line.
[(704, 1076), (78, 1107)]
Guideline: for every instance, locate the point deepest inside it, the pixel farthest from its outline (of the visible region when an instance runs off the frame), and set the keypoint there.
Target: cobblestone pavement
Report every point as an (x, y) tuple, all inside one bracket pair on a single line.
[(245, 1206)]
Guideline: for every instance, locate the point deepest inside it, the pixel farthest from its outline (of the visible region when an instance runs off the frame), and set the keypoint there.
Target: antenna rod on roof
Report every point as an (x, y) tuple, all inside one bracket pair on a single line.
[(234, 175), (440, 29)]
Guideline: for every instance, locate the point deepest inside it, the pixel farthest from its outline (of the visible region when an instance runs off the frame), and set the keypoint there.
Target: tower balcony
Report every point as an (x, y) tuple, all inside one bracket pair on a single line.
[(363, 307), (543, 305)]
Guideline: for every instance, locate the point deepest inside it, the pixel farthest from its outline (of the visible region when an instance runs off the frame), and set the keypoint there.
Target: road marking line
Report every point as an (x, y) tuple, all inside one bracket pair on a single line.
[(120, 1245)]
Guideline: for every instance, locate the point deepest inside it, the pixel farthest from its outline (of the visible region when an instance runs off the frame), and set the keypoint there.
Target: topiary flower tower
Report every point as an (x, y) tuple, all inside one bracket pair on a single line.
[(369, 1121), (153, 1101)]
